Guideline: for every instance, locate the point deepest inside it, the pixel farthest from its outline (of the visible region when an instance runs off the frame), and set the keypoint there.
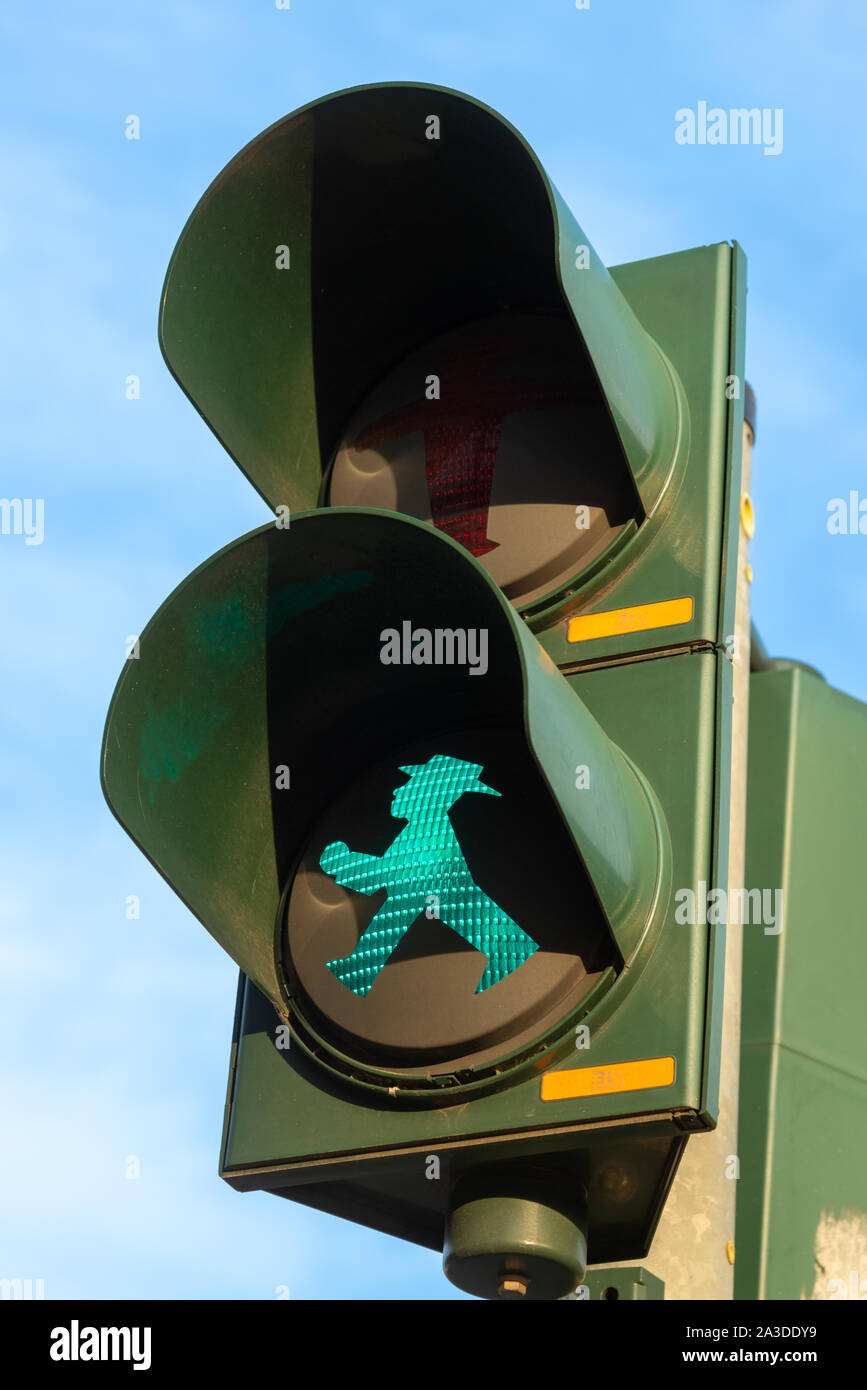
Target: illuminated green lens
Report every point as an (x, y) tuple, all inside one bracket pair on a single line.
[(424, 871)]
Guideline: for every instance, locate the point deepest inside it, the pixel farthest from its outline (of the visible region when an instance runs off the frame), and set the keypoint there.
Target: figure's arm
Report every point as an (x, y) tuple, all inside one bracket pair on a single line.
[(352, 869)]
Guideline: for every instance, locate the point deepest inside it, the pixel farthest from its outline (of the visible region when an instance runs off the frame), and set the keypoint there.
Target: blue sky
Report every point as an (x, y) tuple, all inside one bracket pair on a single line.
[(114, 1033)]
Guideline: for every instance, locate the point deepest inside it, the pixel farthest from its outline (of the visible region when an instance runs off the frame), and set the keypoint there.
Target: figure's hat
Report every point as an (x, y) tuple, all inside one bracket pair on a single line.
[(445, 778)]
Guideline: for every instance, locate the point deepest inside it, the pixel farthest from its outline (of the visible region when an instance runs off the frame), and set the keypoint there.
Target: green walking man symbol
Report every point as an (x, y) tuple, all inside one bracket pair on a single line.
[(425, 859)]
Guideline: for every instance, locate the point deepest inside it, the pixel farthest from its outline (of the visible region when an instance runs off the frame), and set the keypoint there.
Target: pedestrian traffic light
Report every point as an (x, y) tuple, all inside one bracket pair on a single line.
[(439, 755)]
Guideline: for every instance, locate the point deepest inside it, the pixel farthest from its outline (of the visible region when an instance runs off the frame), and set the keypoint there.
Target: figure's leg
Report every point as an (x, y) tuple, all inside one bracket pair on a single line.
[(477, 918), (505, 958), (359, 969), (506, 945)]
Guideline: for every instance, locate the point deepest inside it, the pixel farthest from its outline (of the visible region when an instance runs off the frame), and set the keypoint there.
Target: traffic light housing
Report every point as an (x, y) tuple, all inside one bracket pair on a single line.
[(802, 1050), (439, 760)]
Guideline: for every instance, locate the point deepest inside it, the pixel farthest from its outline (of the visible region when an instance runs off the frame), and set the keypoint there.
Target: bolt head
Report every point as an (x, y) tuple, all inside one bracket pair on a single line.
[(512, 1285)]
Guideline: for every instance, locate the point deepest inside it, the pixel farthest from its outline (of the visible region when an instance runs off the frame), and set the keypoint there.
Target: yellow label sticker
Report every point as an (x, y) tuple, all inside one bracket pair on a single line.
[(618, 621), (603, 1081)]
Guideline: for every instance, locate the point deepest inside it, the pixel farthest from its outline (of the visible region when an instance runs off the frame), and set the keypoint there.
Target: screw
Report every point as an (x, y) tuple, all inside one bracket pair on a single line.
[(512, 1285)]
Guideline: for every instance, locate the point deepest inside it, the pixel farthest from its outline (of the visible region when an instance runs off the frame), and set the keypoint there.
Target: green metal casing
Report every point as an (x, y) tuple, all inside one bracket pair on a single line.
[(668, 708), (631, 1285), (802, 1133), (276, 364)]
